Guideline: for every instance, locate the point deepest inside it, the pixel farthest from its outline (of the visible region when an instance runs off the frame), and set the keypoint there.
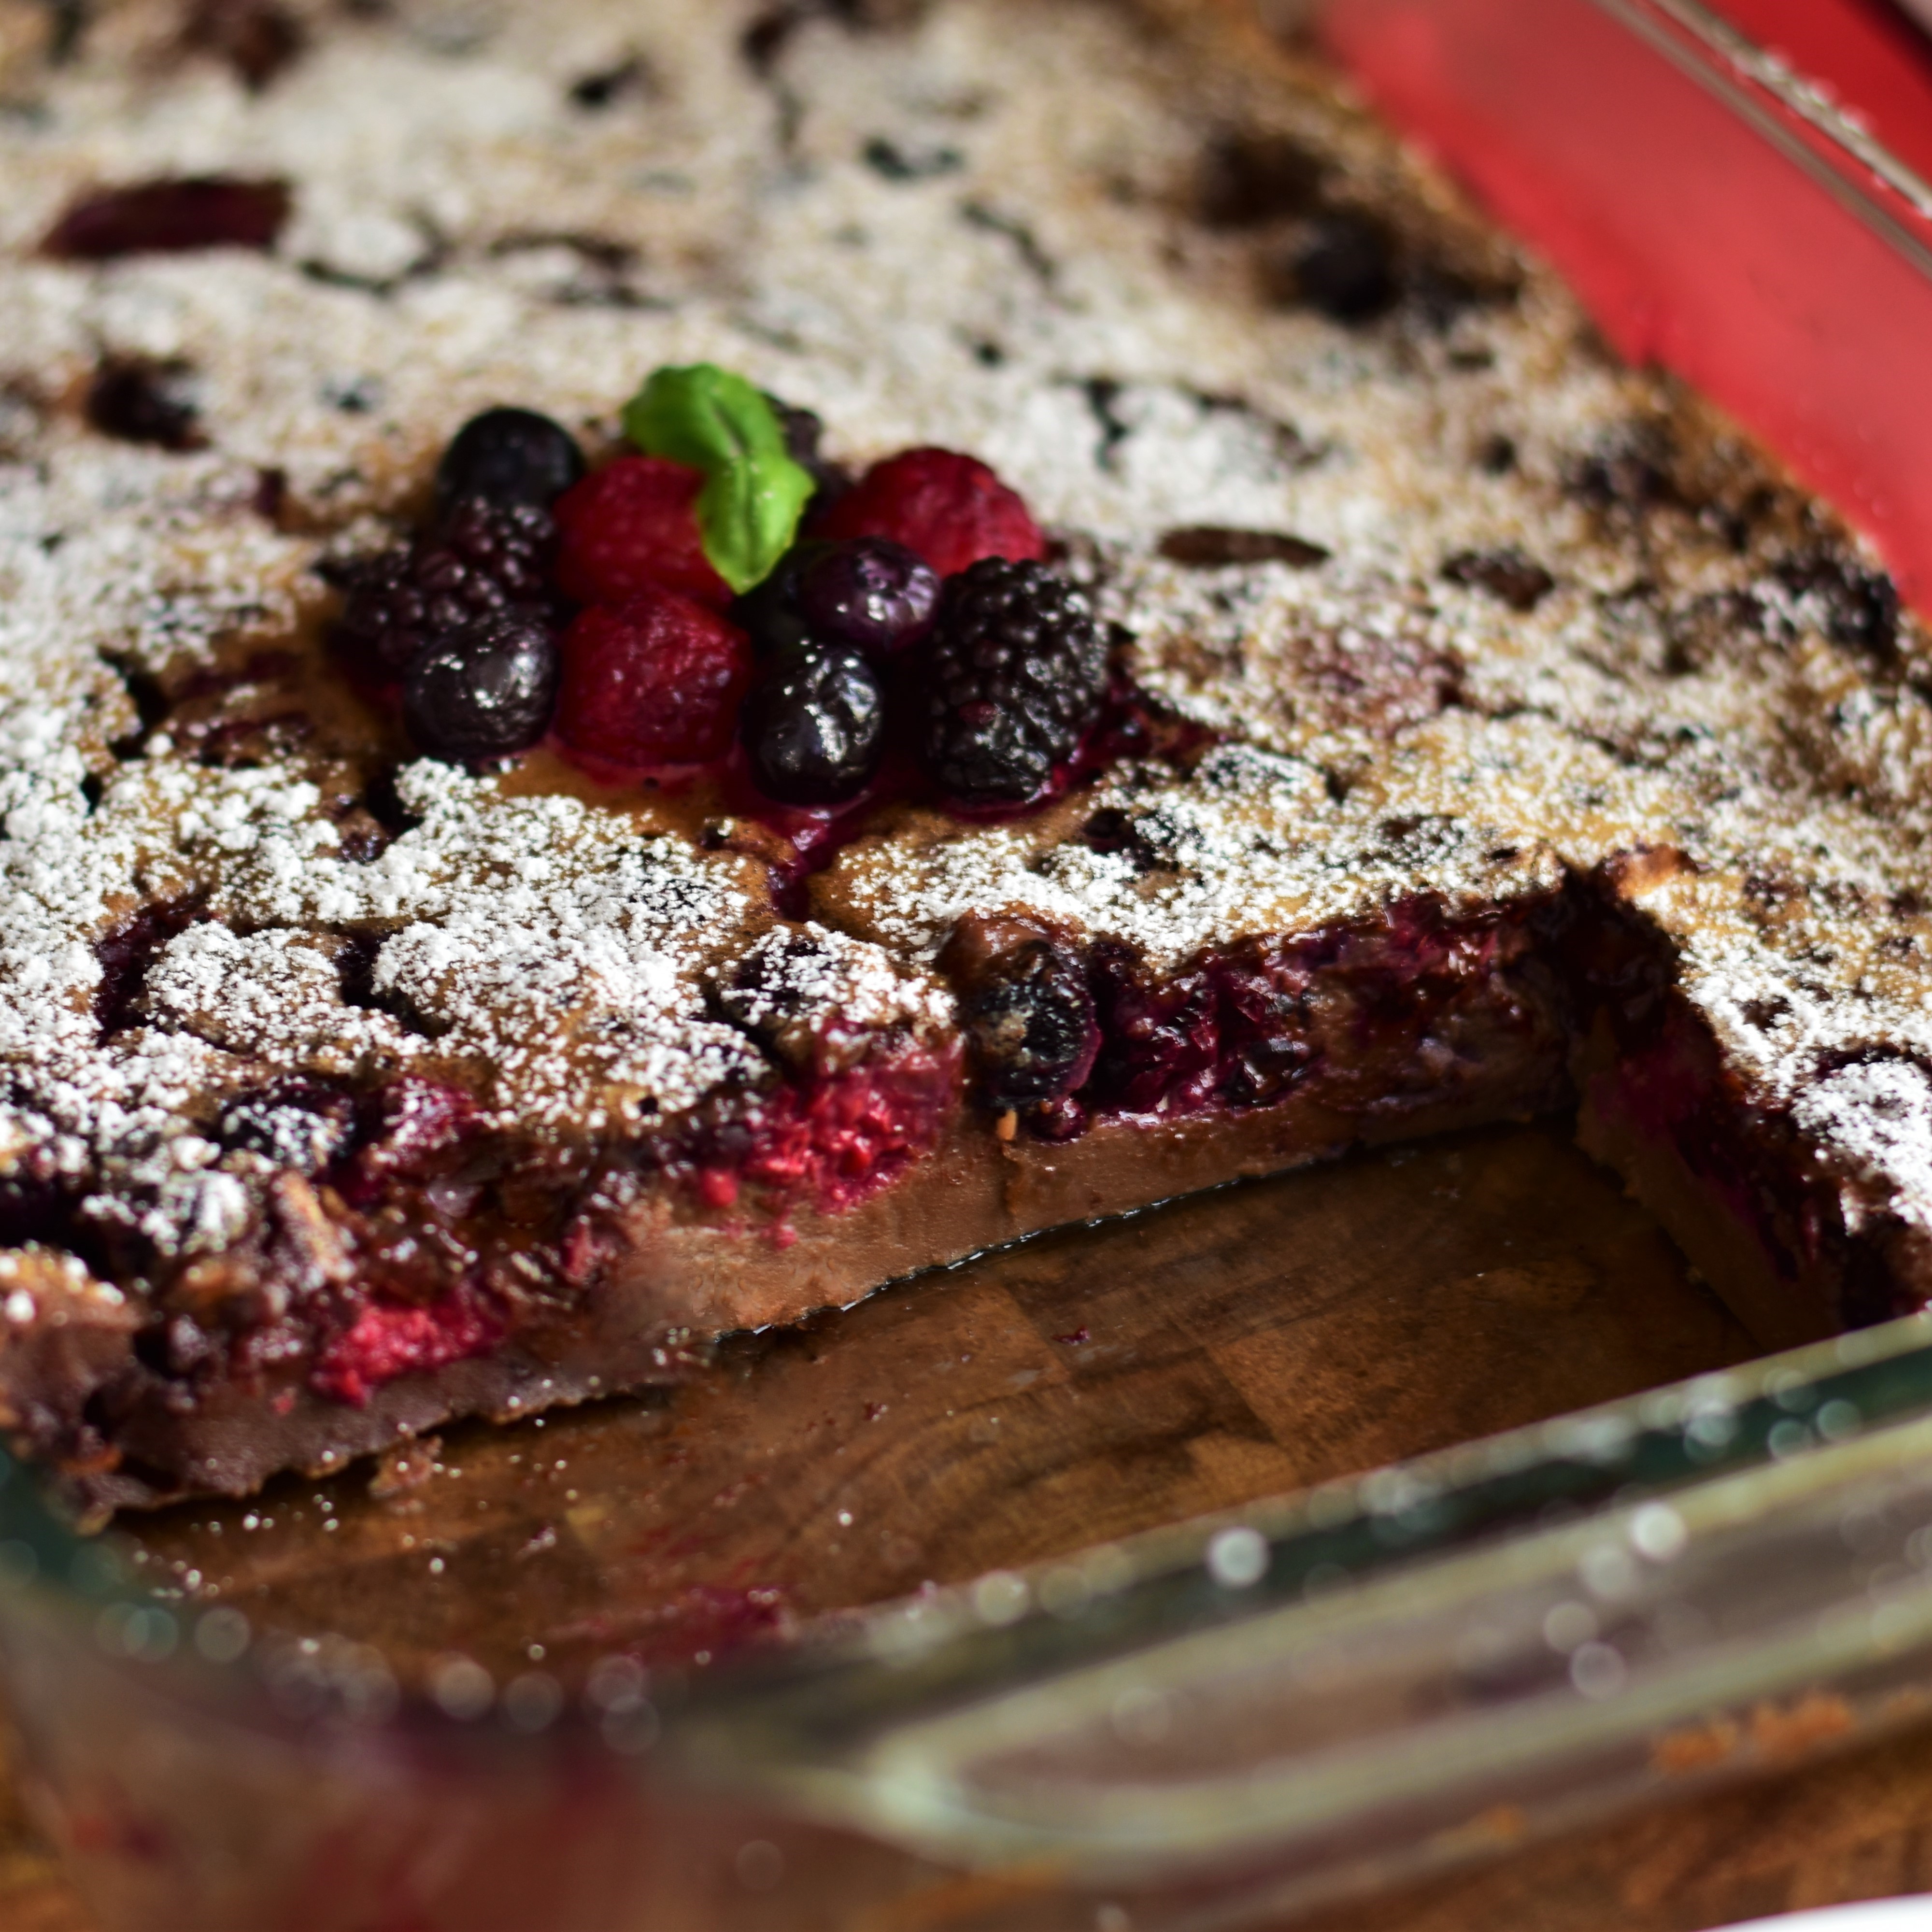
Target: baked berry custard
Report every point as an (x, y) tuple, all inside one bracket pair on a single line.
[(656, 669)]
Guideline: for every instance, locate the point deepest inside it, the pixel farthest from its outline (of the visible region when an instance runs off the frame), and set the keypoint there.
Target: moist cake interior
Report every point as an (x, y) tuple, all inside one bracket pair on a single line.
[(1497, 733)]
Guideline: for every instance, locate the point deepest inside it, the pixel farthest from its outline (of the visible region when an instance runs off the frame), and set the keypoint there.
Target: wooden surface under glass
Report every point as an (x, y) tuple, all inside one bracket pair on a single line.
[(1083, 1386)]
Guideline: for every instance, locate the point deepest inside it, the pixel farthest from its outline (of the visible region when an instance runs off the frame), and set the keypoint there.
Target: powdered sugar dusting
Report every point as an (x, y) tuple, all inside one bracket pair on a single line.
[(1026, 280)]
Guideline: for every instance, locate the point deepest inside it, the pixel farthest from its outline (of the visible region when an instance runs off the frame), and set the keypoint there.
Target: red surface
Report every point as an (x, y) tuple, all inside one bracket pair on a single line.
[(1865, 55), (1695, 243)]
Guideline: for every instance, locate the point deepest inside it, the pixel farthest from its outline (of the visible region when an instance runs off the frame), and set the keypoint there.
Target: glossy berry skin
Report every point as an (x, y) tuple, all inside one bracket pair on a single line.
[(812, 725), (508, 456), (950, 509), (1030, 1021), (483, 691), (872, 593), (655, 680), (479, 559), (632, 527), (1013, 676)]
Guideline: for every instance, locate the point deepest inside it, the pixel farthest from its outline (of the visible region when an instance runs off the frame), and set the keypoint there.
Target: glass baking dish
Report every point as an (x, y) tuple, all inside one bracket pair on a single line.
[(1211, 1725), (1200, 1727)]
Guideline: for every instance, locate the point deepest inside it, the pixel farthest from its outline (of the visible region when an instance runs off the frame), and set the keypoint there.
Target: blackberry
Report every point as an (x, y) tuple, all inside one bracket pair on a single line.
[(1014, 675), (508, 456), (485, 690), (479, 559), (811, 725)]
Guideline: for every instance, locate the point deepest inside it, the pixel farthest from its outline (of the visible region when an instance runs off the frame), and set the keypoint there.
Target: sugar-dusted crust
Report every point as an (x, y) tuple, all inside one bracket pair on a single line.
[(1545, 685)]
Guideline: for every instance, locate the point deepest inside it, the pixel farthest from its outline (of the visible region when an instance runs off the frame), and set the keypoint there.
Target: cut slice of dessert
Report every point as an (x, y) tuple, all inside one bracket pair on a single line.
[(1209, 666)]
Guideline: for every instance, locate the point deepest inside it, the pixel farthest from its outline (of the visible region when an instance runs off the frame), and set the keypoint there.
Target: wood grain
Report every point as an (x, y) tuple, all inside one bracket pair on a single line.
[(1087, 1385)]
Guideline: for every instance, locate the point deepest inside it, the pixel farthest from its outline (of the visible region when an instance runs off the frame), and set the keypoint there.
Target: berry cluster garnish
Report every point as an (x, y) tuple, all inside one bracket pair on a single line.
[(1014, 677), (712, 586)]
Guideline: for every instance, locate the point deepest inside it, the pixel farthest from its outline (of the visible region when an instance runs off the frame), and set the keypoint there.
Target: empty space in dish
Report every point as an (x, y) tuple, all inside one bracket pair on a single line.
[(1079, 1387)]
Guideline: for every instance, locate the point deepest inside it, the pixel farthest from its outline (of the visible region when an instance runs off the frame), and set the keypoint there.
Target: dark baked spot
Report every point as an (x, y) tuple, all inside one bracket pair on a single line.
[(355, 973), (1497, 456), (1248, 180), (1103, 394), (127, 952), (764, 40), (1209, 546), (1854, 605), (255, 37), (355, 396), (136, 401), (1506, 574), (384, 804), (1629, 472), (892, 163), (1344, 266), (301, 1121), (271, 493), (171, 217), (150, 702), (1026, 243), (629, 78)]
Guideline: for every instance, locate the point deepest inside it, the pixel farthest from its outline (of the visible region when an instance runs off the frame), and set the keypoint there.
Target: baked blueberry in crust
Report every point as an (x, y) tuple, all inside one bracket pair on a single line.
[(349, 1083)]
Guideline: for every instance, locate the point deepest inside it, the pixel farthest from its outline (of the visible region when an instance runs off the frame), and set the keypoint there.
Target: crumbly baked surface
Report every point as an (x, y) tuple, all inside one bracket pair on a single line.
[(1553, 655)]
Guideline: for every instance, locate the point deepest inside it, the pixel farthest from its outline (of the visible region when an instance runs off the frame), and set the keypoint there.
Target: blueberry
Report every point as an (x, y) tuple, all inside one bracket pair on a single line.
[(812, 724), (508, 456), (871, 593), (1029, 1019), (485, 690)]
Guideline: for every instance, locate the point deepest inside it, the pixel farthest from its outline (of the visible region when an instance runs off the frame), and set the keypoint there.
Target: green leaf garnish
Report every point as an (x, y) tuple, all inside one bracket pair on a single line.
[(754, 492)]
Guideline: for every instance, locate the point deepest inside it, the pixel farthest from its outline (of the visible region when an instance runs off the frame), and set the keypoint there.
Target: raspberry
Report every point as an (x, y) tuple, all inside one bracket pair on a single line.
[(632, 525), (949, 508), (481, 559), (1013, 677), (656, 680), (390, 1338), (838, 1139)]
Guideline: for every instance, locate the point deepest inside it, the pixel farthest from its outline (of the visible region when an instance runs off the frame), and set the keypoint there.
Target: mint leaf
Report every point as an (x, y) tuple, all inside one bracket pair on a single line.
[(747, 515), (755, 494)]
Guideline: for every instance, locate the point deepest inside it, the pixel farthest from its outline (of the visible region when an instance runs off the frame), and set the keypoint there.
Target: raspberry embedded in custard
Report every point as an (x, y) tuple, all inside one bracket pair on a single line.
[(632, 527), (655, 680), (950, 509)]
